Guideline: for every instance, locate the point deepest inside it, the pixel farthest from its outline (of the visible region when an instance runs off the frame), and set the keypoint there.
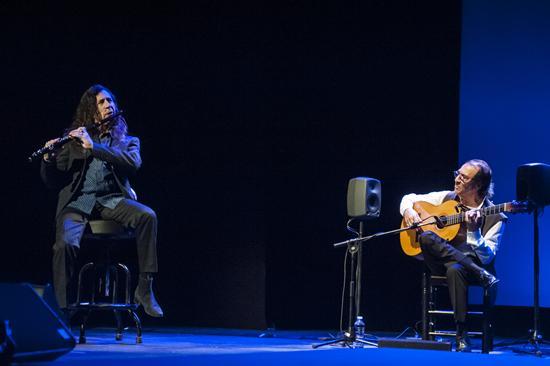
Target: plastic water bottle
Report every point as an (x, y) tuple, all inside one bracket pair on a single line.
[(359, 327)]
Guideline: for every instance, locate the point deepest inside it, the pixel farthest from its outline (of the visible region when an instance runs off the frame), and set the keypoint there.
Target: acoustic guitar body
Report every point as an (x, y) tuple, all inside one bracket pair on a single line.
[(409, 238)]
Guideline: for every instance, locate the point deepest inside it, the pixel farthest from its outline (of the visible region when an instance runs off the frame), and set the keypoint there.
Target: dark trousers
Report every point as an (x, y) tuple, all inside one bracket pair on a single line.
[(457, 263), (70, 228)]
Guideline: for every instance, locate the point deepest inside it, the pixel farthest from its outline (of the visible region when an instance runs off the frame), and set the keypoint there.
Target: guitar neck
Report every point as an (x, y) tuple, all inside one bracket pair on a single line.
[(485, 211)]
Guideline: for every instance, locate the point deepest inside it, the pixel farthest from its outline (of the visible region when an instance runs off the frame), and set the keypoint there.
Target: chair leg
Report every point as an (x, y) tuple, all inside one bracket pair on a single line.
[(425, 284), (485, 336), (487, 341), (427, 304)]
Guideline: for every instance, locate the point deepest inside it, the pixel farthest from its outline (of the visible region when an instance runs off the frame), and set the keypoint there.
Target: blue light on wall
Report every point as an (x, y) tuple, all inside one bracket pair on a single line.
[(505, 120)]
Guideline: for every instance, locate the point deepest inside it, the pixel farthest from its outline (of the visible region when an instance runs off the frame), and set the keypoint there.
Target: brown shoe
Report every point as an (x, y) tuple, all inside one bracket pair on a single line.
[(144, 296)]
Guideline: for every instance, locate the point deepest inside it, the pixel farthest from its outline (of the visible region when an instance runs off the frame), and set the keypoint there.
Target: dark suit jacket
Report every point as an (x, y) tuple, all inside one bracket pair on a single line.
[(68, 169)]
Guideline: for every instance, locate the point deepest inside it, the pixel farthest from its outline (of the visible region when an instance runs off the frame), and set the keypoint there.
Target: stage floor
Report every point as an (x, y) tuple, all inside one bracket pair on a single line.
[(207, 346)]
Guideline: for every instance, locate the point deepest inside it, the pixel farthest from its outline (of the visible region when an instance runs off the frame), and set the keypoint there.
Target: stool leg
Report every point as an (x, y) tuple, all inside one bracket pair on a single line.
[(119, 328), (85, 268), (82, 337), (107, 284), (139, 339)]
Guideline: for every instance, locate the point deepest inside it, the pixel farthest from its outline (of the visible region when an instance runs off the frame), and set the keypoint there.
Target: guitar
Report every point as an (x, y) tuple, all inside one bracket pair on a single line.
[(444, 221)]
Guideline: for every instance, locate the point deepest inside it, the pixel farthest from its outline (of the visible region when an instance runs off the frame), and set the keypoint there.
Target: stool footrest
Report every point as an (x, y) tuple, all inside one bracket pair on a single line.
[(103, 306)]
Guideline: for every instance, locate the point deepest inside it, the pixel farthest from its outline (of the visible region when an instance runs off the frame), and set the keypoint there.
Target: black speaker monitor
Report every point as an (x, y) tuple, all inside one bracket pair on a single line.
[(533, 183), (364, 197), (37, 329), (414, 343)]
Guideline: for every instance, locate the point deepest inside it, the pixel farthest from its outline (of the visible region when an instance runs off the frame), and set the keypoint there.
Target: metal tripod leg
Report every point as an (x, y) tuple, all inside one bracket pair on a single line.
[(346, 342), (370, 343)]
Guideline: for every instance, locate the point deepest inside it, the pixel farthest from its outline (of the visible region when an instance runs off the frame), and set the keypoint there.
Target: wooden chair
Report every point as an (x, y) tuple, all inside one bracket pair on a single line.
[(431, 312)]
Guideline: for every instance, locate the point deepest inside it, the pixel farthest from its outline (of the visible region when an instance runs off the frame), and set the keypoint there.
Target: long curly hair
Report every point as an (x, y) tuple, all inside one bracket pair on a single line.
[(87, 113)]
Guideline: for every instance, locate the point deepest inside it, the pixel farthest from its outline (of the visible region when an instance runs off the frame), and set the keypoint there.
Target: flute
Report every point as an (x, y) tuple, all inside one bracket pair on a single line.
[(63, 140)]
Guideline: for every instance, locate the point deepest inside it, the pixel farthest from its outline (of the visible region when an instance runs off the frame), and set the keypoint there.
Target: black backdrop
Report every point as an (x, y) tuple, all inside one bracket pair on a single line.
[(252, 120)]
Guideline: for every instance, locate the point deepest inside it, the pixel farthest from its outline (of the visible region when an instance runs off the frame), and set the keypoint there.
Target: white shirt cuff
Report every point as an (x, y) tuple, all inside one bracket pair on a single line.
[(474, 237)]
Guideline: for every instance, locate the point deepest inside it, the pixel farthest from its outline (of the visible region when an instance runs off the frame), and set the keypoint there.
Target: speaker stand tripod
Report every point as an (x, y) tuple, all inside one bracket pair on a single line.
[(349, 338), (535, 339)]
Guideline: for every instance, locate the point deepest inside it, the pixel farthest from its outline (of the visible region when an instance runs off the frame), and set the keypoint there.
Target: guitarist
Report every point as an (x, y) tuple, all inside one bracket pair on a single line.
[(468, 257)]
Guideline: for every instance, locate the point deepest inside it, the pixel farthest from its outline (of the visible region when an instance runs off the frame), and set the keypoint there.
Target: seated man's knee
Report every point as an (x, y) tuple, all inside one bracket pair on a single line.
[(67, 241), (426, 239), (148, 214), (66, 244)]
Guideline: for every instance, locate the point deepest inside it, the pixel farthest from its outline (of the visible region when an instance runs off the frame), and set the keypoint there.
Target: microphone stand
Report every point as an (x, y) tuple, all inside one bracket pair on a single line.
[(349, 339)]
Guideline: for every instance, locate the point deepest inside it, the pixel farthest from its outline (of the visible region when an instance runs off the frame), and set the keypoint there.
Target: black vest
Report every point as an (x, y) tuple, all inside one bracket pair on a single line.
[(488, 221)]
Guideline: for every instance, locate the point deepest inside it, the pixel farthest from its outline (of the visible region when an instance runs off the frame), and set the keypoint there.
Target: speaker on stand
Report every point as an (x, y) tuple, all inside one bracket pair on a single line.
[(364, 199)]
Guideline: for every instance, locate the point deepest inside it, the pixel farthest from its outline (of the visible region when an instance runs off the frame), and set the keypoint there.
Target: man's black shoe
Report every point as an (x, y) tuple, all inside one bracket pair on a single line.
[(487, 279), (463, 344)]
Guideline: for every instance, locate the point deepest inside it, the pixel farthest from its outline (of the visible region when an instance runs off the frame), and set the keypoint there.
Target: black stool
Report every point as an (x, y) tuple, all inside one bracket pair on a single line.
[(105, 279), (430, 286)]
